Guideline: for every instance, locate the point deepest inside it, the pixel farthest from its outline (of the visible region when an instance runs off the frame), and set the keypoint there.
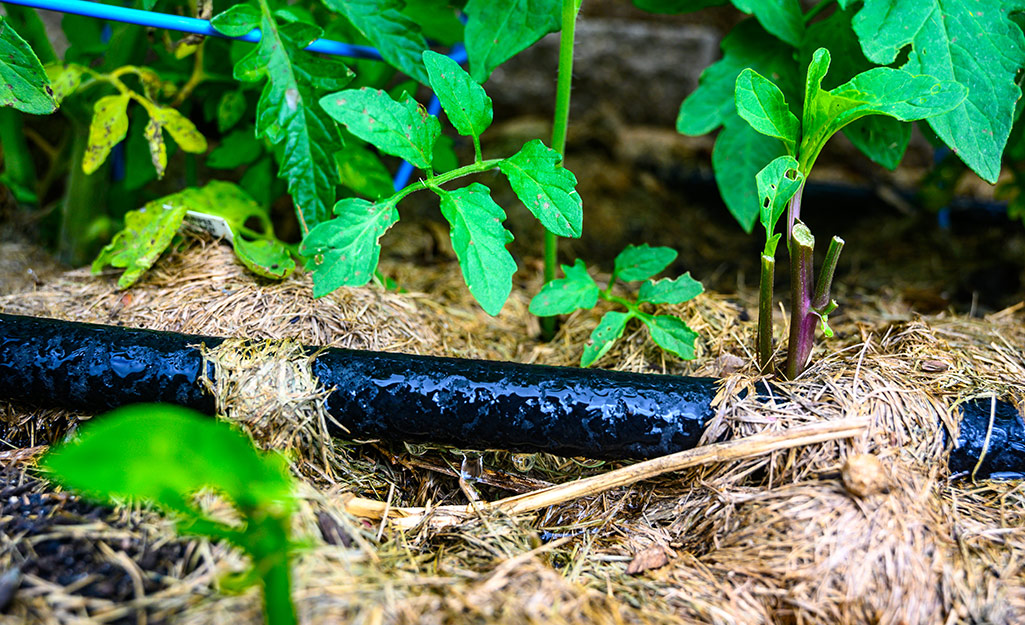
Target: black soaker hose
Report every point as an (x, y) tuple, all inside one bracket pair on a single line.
[(469, 404)]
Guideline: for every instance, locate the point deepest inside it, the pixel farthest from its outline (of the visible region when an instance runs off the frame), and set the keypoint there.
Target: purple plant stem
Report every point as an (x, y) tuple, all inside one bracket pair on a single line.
[(794, 212), (802, 321)]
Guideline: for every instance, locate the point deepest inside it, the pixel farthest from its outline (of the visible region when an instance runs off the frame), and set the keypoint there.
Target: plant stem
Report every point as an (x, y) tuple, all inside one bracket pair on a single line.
[(825, 282), (794, 211), (560, 124), (440, 179), (765, 313), (272, 562), (85, 200), (802, 321), (18, 165)]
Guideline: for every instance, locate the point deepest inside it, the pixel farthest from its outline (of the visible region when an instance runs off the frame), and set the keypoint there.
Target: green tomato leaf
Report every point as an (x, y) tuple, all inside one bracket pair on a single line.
[(879, 91), (760, 103), (497, 30), (746, 46), (303, 136), (230, 109), (345, 250), (672, 335), (164, 454), (882, 139), (972, 42), (546, 188), (609, 329), (777, 183), (402, 129), (782, 18), (666, 291), (237, 20), (264, 257), (641, 262), (563, 296), (147, 233), (361, 170), (464, 101), (396, 36), (479, 239), (740, 152), (109, 127), (241, 147), (25, 84)]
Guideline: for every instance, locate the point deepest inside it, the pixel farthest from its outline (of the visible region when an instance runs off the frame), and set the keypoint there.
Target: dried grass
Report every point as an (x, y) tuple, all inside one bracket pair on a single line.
[(774, 538)]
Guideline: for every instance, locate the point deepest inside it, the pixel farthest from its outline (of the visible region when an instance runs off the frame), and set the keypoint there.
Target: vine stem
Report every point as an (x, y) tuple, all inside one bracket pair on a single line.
[(802, 321), (765, 313), (560, 124)]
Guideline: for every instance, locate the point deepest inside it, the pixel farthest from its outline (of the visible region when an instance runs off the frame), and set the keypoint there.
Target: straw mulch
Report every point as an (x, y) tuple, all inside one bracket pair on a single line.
[(869, 529)]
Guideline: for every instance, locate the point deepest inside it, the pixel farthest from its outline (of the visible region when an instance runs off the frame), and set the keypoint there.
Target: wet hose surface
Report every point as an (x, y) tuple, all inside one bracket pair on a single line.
[(470, 404)]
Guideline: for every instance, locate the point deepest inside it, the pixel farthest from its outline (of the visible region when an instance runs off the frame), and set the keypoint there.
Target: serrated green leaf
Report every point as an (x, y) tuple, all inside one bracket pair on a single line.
[(467, 105), (746, 46), (666, 291), (609, 329), (563, 296), (241, 147), (672, 335), (147, 233), (547, 189), (402, 129), (165, 453), (108, 128), (303, 136), (640, 262), (230, 109), (345, 250), (782, 18), (23, 81), (396, 36), (760, 103), (777, 182), (479, 240), (969, 41), (739, 154), (497, 30), (882, 139), (879, 91), (237, 20), (361, 170)]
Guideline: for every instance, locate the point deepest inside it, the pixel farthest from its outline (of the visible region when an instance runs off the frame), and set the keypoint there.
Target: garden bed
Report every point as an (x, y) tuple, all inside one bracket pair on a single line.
[(776, 538)]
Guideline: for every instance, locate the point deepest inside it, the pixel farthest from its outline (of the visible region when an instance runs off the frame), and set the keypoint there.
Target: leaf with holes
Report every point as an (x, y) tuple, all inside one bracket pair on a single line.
[(479, 240), (402, 129), (777, 184), (609, 329), (467, 105), (740, 152), (546, 188), (108, 128), (563, 296), (666, 291), (345, 250), (640, 262), (672, 335)]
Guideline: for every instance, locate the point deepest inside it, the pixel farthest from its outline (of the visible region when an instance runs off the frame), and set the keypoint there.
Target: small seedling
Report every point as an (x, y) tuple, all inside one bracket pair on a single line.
[(165, 454), (345, 250), (879, 91), (579, 290)]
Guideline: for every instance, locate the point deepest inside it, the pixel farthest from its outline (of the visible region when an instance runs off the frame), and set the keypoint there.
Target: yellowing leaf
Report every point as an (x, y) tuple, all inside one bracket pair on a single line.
[(180, 128), (108, 128), (157, 149), (64, 79)]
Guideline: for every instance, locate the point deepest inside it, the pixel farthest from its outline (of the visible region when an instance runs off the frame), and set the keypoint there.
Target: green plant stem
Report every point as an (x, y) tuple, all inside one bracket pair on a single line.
[(19, 169), (272, 564), (802, 321), (825, 282), (84, 201), (560, 125), (440, 179), (765, 313)]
